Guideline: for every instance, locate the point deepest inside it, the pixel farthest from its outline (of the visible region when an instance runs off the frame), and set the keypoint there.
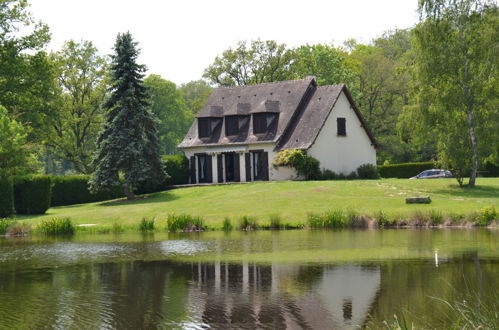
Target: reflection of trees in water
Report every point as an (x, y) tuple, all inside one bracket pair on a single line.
[(414, 288)]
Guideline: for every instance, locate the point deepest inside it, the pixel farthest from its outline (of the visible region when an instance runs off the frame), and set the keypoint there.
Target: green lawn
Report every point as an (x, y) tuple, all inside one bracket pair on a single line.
[(291, 200)]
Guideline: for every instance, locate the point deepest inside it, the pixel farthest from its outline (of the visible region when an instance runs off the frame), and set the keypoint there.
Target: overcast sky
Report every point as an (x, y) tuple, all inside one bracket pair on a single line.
[(180, 38)]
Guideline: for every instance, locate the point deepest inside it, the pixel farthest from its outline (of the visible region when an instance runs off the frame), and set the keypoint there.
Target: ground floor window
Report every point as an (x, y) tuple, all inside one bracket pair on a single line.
[(260, 166), (204, 168)]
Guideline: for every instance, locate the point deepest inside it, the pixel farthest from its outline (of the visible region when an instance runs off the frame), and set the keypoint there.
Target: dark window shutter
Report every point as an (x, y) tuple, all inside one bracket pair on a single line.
[(220, 168), (237, 168), (209, 171), (204, 129), (231, 125), (259, 123), (248, 166), (341, 126), (193, 169), (265, 166)]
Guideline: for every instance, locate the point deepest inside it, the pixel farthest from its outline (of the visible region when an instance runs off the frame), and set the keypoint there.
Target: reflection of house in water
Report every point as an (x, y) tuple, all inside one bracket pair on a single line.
[(258, 296)]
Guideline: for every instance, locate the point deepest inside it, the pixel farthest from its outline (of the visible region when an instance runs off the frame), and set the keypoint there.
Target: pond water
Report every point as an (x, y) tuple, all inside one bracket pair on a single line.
[(299, 279)]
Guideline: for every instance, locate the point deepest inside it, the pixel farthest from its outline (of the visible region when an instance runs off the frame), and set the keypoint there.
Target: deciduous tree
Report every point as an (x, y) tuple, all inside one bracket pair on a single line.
[(456, 74)]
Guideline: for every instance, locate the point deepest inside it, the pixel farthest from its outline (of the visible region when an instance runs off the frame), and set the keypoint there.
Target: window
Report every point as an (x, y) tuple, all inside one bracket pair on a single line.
[(262, 122), (341, 126), (204, 127), (231, 125)]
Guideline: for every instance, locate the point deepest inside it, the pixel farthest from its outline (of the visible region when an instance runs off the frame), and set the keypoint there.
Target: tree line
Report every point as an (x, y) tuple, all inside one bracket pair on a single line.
[(428, 92)]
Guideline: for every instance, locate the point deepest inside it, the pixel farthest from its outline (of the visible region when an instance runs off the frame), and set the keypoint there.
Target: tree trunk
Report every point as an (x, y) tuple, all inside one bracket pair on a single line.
[(474, 150), (129, 192)]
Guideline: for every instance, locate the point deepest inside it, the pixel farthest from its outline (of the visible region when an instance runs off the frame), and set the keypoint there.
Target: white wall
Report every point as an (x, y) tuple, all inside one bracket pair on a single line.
[(343, 154)]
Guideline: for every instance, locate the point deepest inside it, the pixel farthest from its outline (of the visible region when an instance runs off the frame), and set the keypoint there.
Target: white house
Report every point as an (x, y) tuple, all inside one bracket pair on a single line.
[(240, 130)]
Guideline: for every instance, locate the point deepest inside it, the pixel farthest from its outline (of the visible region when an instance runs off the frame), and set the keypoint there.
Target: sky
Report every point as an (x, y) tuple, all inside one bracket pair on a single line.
[(179, 39)]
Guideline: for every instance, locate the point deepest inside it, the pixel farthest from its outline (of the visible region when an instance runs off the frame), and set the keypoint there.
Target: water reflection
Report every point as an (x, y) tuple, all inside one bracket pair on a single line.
[(161, 294)]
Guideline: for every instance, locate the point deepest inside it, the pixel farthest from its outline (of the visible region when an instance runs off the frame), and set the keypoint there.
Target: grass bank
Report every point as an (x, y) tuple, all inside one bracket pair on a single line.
[(292, 202)]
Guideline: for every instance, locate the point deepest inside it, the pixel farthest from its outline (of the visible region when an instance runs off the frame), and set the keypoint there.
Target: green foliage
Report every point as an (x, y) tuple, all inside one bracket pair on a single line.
[(455, 89), (405, 170), (6, 197), (74, 128), (328, 219), (383, 220), (73, 189), (56, 226), (14, 150), (184, 222), (168, 105), (227, 224), (436, 217), (4, 224), (177, 167), (276, 222), (328, 175), (253, 62), (146, 224), (367, 171), (128, 145), (248, 223), (486, 216), (195, 94), (32, 194), (491, 169), (305, 165)]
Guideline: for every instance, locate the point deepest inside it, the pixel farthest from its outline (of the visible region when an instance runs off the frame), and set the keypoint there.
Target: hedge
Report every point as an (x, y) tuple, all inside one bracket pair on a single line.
[(6, 197), (491, 169), (68, 190), (177, 167), (405, 170), (32, 194)]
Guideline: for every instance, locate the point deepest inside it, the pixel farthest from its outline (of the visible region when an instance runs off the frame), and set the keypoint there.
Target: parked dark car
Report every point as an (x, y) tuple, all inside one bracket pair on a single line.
[(433, 174)]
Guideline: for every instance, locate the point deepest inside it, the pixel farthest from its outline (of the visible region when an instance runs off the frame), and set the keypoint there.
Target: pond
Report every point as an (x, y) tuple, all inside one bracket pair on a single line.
[(297, 279)]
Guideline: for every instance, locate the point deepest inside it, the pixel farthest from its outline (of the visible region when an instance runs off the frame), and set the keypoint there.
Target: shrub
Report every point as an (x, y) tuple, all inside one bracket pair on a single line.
[(486, 216), (73, 189), (177, 167), (304, 165), (491, 169), (6, 197), (184, 222), (32, 194), (329, 219), (248, 223), (436, 217), (56, 226), (352, 176), (4, 224), (367, 171), (405, 170), (275, 222), (227, 224), (18, 229), (383, 220), (146, 224), (328, 175)]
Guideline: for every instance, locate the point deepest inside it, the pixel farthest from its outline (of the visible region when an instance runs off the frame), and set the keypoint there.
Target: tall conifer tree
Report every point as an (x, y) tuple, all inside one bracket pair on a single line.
[(128, 145)]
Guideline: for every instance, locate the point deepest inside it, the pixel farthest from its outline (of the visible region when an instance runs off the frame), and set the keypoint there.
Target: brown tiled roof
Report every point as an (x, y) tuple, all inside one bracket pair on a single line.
[(303, 108)]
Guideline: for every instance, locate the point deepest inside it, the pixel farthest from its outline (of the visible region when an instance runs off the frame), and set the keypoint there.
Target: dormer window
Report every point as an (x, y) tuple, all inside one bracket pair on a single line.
[(263, 121), (235, 124), (206, 126), (231, 125)]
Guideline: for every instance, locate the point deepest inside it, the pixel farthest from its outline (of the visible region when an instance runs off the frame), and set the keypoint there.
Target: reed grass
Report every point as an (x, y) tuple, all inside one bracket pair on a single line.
[(227, 224), (248, 223), (146, 224), (56, 226), (184, 222)]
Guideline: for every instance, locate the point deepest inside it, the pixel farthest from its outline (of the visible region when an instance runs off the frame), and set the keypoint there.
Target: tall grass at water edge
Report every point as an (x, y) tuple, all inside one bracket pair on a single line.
[(56, 226), (146, 224), (185, 222)]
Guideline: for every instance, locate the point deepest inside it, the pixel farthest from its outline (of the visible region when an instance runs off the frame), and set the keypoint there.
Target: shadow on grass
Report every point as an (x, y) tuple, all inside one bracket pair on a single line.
[(470, 192), (159, 197)]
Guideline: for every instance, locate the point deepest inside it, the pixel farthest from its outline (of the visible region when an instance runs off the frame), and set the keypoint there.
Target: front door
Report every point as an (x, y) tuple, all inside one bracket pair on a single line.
[(232, 167)]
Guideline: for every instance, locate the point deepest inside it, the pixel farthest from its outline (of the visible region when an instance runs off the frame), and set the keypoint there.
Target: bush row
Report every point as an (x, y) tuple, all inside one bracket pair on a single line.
[(34, 194), (405, 170)]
